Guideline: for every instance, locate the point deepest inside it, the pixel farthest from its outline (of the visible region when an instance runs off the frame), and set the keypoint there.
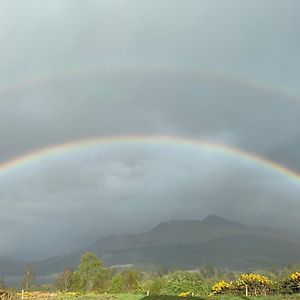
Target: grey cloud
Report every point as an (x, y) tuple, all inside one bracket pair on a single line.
[(77, 69), (109, 195)]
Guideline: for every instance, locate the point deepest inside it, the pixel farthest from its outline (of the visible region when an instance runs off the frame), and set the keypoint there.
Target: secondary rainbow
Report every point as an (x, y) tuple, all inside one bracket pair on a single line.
[(81, 71), (41, 155)]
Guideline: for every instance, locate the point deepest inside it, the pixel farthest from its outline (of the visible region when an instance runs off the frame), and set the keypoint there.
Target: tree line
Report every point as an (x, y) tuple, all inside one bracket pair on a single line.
[(92, 276)]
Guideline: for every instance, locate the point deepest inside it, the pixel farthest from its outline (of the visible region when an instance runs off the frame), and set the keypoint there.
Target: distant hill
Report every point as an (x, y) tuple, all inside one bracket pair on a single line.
[(11, 267), (185, 244), (187, 231), (239, 252)]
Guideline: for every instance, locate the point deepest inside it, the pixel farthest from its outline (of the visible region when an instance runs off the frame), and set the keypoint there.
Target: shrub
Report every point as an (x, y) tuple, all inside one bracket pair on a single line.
[(154, 285), (222, 288), (254, 284), (182, 282), (291, 284)]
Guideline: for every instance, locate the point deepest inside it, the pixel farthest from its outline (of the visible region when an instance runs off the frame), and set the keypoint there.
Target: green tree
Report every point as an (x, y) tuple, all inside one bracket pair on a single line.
[(116, 284), (155, 285), (102, 280), (63, 281), (92, 273), (76, 284), (127, 281), (131, 281)]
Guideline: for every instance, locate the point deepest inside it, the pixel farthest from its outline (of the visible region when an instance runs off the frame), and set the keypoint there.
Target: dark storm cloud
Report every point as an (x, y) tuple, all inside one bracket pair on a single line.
[(101, 194), (122, 67)]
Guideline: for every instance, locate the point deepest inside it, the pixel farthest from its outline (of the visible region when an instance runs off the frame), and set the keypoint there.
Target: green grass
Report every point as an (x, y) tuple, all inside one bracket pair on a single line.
[(278, 297), (102, 297), (154, 297), (163, 297), (129, 297)]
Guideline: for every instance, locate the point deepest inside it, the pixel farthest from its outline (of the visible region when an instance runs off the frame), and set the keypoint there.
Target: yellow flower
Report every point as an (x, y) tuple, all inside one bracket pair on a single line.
[(295, 276), (221, 287), (184, 294)]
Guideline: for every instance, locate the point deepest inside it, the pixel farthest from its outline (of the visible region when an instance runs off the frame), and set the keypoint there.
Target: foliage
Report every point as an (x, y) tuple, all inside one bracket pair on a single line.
[(247, 284), (254, 284), (76, 284), (155, 285), (92, 275), (222, 288), (127, 281), (63, 281), (291, 284), (5, 295), (131, 280), (116, 285), (295, 282), (185, 294), (181, 282)]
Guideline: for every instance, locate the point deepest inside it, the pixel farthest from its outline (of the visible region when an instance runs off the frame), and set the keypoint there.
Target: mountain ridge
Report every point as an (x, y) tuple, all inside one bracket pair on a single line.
[(183, 235)]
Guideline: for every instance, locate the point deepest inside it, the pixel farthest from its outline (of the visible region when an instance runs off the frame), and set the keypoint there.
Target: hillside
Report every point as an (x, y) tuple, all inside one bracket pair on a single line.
[(187, 231), (184, 244), (11, 267), (239, 252)]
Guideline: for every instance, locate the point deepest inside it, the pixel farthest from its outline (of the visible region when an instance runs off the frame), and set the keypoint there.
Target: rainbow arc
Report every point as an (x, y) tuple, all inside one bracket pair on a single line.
[(40, 155)]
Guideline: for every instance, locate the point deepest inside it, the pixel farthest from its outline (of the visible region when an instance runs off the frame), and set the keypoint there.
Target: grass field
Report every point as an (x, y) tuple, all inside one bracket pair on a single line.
[(294, 297), (164, 297)]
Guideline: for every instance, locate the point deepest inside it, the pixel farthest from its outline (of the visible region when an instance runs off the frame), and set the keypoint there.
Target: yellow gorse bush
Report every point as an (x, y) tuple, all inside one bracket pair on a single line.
[(254, 284), (222, 287), (247, 284), (295, 276), (253, 279)]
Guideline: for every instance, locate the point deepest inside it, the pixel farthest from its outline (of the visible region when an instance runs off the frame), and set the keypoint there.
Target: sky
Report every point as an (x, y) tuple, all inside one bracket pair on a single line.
[(225, 72)]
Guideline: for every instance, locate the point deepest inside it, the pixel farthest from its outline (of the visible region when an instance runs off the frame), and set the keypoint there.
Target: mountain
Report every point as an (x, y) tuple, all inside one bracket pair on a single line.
[(187, 232), (186, 244), (239, 252)]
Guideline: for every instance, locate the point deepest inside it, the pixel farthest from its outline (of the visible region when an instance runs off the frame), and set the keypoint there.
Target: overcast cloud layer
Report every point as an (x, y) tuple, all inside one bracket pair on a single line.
[(221, 71)]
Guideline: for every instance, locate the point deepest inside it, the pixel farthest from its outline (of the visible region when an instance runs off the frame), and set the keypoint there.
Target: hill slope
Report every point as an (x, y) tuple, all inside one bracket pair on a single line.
[(11, 267), (190, 243), (239, 252), (184, 244)]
